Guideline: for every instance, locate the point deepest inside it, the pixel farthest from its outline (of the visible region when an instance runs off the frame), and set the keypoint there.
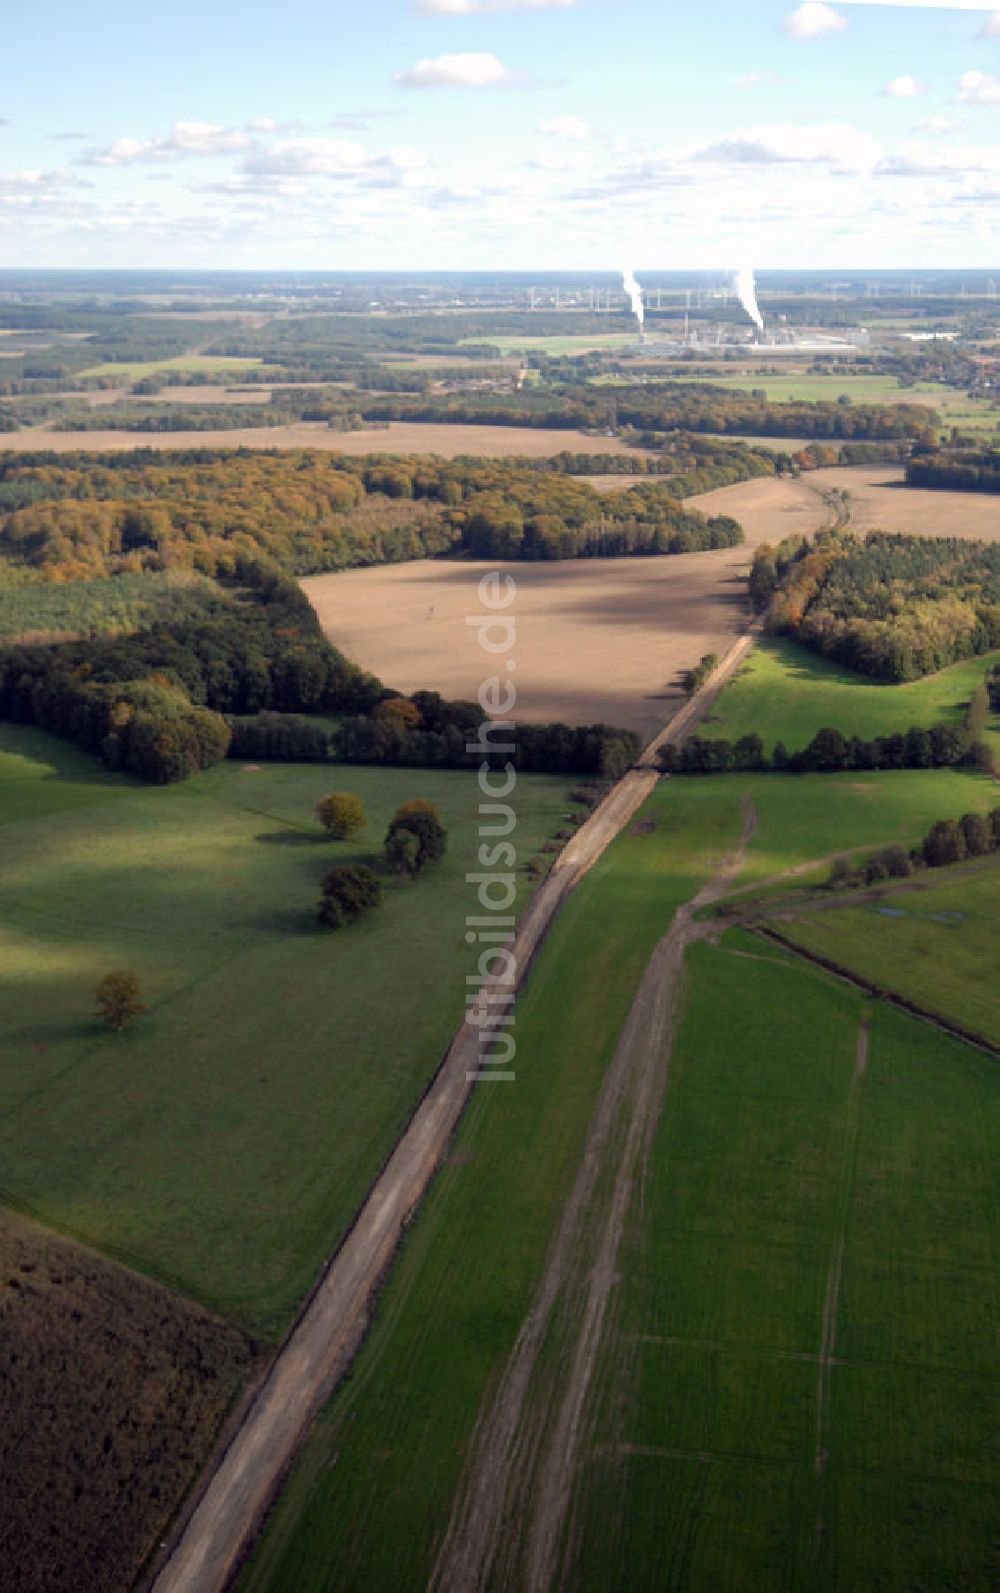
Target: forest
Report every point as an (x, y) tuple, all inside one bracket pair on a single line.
[(955, 469), (894, 607), (216, 646), (234, 670), (76, 517)]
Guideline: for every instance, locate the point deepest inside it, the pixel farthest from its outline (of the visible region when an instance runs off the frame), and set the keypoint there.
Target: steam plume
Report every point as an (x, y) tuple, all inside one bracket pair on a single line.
[(634, 292), (746, 292)]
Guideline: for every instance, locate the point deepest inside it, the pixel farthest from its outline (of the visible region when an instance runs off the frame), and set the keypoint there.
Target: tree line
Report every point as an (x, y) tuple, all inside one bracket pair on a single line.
[(830, 751), (955, 469), (661, 407), (947, 841), (440, 736)]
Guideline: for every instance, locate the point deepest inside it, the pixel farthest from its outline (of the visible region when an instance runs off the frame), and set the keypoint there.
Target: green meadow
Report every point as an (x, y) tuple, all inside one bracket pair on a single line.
[(955, 407), (814, 816), (205, 364), (937, 944), (799, 1390), (372, 1492), (223, 1141), (702, 1471), (790, 387), (786, 693)]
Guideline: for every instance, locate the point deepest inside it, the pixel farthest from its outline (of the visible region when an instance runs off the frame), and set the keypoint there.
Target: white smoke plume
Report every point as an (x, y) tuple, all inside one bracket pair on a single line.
[(634, 292), (746, 292)]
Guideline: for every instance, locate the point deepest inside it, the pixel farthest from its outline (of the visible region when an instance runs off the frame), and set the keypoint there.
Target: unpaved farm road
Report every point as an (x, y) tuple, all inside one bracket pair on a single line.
[(515, 1495), (216, 1533)]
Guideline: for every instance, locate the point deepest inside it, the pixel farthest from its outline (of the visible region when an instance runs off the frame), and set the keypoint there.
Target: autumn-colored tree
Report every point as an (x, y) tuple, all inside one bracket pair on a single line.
[(400, 712), (342, 814), (119, 997), (417, 805)]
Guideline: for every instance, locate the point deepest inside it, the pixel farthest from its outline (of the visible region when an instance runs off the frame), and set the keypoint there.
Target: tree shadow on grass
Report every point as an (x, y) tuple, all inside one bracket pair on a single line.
[(292, 838), (297, 921), (42, 1035)]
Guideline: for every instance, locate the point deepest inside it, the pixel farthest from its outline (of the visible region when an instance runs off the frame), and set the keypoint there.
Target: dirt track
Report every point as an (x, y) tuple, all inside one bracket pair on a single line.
[(227, 1513), (517, 1486)]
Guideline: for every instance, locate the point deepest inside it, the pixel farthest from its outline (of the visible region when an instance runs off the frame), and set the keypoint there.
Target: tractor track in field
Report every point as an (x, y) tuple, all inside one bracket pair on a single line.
[(524, 1451), (835, 1272), (222, 1518)]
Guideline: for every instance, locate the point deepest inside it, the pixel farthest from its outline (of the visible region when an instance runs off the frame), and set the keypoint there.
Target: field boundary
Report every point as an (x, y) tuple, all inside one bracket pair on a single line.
[(956, 1031), (217, 1528)]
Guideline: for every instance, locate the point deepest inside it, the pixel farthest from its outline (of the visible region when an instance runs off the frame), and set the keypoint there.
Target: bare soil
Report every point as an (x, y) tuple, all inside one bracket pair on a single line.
[(597, 639), (773, 507), (878, 500), (399, 437), (112, 1391)]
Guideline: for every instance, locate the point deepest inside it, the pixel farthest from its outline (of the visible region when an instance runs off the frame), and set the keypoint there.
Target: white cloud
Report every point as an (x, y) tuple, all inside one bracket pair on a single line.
[(812, 20), (752, 80), (328, 157), (34, 184), (916, 159), (566, 127), (467, 8), (904, 88), (938, 125), (558, 160), (185, 139), (991, 27), (979, 88), (837, 145), (457, 71)]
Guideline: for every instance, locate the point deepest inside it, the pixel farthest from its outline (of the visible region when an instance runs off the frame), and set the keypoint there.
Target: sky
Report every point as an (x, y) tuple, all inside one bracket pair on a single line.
[(500, 134)]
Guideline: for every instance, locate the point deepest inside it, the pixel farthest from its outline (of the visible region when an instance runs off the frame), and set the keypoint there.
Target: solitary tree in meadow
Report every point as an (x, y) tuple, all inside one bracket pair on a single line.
[(415, 837), (402, 850), (342, 814), (119, 997), (348, 892)]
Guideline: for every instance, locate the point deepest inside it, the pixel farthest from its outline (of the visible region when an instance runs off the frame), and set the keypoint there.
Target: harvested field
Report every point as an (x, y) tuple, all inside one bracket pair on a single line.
[(878, 500), (113, 1390), (597, 639), (400, 437), (768, 508)]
